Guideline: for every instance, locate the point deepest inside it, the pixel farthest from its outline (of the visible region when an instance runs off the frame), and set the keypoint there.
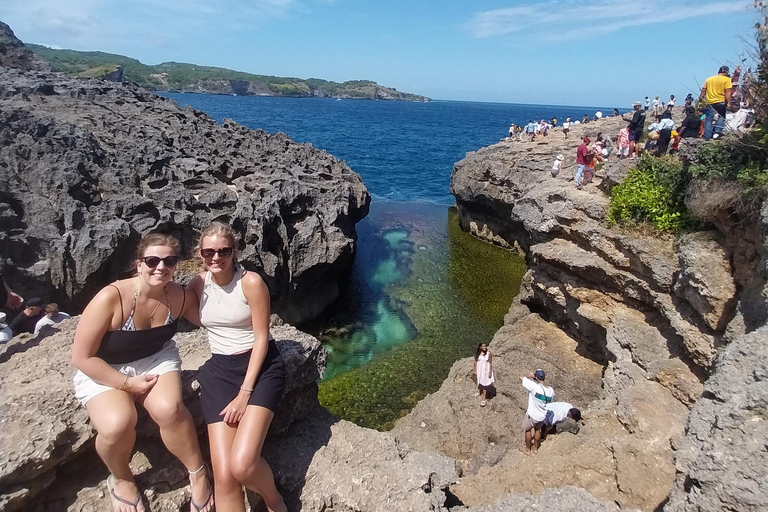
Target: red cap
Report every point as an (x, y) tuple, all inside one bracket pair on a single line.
[(586, 139)]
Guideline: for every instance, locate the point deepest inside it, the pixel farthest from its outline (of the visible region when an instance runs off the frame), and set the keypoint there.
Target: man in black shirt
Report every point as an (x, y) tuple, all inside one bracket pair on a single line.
[(636, 125), (27, 319), (691, 125)]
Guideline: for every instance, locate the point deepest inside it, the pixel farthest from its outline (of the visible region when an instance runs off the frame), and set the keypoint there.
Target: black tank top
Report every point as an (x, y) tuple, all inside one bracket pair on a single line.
[(128, 344)]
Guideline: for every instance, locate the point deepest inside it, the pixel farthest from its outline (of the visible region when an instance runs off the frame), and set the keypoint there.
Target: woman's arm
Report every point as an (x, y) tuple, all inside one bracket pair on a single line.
[(94, 323), (193, 291), (257, 294)]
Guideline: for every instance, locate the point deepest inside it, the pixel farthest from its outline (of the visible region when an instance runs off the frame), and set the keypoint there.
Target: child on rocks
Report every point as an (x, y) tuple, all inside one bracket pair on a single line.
[(624, 142), (557, 166)]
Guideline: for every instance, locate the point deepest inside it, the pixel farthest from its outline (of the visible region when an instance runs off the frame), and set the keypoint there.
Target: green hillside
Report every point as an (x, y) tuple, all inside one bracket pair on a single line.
[(175, 76)]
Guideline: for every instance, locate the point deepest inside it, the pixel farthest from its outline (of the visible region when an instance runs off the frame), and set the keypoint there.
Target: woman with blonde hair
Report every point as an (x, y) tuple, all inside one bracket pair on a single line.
[(243, 381), (125, 353)]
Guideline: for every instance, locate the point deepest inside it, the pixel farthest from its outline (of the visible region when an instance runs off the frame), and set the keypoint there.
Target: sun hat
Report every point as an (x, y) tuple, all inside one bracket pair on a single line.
[(539, 374), (3, 324), (560, 157)]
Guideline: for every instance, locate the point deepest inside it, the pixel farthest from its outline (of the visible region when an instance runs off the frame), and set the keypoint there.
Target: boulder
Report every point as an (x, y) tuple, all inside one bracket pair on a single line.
[(564, 499), (92, 165)]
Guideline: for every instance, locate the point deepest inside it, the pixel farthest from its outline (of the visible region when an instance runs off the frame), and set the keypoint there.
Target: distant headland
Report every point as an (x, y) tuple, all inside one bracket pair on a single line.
[(181, 77)]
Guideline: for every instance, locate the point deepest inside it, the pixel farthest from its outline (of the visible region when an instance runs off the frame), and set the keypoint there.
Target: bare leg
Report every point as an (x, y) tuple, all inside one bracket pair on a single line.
[(228, 490), (247, 465), (526, 448), (113, 415), (536, 440), (177, 429)]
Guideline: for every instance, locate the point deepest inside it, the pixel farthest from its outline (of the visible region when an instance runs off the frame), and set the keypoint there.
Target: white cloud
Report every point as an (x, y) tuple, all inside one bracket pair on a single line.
[(565, 19)]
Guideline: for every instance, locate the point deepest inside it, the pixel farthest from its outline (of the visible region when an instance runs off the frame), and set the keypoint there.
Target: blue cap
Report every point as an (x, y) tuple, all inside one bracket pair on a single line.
[(539, 374)]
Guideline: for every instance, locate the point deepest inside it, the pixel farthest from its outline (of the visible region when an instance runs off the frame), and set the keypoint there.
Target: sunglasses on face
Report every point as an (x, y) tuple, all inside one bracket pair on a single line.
[(154, 261), (224, 252)]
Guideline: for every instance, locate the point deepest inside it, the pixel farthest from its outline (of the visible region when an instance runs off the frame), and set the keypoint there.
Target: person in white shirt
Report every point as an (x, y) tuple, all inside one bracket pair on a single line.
[(5, 332), (539, 396), (52, 317), (655, 110), (557, 166), (558, 412)]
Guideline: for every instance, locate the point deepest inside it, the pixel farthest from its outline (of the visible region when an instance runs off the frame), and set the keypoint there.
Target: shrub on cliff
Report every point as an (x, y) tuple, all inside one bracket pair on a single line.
[(654, 192)]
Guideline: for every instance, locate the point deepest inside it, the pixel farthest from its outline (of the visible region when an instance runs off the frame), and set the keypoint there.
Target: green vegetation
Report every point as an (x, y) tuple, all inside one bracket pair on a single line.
[(455, 296), (194, 78), (653, 193)]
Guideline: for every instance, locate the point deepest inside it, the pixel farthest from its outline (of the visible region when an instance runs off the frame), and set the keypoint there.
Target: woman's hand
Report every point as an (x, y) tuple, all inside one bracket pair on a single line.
[(235, 410), (140, 384)]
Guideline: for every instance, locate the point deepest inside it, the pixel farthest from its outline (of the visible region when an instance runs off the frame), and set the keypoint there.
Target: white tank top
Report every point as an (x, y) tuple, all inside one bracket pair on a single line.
[(225, 312)]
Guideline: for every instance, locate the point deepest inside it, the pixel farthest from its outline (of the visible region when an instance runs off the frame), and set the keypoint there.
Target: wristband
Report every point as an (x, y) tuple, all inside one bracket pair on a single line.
[(125, 382), (246, 389)]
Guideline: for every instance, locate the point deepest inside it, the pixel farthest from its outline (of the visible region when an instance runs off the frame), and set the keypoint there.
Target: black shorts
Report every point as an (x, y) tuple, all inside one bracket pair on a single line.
[(635, 135), (221, 376)]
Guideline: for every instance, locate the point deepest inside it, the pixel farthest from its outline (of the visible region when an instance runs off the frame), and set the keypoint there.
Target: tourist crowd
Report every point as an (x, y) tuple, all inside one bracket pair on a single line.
[(723, 106)]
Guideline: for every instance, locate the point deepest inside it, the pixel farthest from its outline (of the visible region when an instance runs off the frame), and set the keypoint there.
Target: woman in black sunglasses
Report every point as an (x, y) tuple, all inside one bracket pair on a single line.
[(243, 381), (125, 353)]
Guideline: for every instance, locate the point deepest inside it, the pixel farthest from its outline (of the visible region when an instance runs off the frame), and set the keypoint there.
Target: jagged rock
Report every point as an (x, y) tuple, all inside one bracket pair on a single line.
[(722, 463), (44, 427), (705, 278), (92, 165), (13, 53)]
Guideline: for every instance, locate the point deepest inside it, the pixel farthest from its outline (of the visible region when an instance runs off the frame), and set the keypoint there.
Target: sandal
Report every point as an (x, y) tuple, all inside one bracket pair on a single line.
[(209, 499), (483, 402), (111, 487), (477, 394)]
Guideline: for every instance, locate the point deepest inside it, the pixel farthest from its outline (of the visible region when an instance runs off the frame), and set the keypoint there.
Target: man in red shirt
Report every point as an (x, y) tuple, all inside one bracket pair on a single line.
[(583, 155)]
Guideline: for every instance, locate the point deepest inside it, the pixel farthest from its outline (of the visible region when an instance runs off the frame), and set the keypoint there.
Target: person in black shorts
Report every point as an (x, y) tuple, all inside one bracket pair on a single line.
[(636, 125)]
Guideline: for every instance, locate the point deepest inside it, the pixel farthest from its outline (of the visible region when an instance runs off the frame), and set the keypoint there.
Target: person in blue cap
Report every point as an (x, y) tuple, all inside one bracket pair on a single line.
[(539, 395)]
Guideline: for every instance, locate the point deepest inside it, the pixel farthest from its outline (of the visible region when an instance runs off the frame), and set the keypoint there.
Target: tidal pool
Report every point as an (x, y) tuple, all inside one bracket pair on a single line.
[(421, 294)]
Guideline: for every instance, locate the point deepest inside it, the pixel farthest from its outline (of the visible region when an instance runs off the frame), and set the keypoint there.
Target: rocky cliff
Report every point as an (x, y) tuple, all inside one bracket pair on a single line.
[(672, 323), (89, 166)]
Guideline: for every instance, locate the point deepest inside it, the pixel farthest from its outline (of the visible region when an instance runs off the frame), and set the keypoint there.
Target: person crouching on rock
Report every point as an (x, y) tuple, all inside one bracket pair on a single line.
[(558, 412), (483, 372), (539, 396), (243, 381), (125, 353)]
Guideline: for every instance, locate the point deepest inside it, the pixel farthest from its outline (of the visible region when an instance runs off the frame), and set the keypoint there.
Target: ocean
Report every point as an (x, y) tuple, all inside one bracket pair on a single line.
[(421, 293)]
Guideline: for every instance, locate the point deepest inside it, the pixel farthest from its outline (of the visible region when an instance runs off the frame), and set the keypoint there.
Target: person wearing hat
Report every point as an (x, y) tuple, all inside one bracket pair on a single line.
[(636, 125), (557, 166), (539, 396), (716, 93), (5, 332), (27, 319)]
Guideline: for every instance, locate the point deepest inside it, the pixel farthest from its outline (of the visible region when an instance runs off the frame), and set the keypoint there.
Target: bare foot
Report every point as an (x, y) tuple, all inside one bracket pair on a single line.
[(202, 492), (534, 450), (525, 450)]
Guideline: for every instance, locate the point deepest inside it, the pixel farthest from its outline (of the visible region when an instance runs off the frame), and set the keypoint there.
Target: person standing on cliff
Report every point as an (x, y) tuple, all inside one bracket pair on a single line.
[(716, 92), (483, 372), (583, 155), (539, 396), (636, 125), (530, 129), (566, 126)]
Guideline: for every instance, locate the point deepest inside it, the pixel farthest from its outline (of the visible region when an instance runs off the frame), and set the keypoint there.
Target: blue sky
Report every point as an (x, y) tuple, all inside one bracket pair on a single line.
[(577, 52)]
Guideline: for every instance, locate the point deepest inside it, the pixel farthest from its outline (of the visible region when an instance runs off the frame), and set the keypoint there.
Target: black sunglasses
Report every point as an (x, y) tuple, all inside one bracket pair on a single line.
[(224, 252), (154, 261)]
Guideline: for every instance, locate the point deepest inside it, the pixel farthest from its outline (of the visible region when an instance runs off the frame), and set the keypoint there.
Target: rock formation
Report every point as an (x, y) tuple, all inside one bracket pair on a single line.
[(659, 315), (89, 166)]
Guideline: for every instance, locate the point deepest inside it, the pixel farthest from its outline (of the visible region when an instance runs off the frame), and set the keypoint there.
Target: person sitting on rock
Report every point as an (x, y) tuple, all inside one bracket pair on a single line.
[(483, 372), (243, 381), (52, 317), (558, 412), (124, 353), (557, 166), (539, 396), (27, 319)]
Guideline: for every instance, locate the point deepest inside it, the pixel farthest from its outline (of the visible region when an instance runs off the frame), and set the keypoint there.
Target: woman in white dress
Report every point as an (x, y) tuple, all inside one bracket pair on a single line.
[(483, 371)]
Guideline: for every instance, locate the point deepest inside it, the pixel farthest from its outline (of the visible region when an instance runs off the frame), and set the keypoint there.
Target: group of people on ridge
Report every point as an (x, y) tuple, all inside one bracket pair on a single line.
[(542, 414)]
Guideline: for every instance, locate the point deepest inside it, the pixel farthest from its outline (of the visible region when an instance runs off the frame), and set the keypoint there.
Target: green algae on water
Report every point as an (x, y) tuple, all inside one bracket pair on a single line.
[(456, 294)]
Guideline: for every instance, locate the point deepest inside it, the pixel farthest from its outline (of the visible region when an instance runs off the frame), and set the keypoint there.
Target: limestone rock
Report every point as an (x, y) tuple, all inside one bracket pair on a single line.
[(96, 164), (705, 279), (564, 499), (722, 462)]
